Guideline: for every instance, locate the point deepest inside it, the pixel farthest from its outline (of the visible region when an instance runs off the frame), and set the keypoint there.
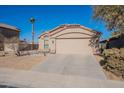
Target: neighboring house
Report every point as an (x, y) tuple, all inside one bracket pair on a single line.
[(116, 41), (9, 38), (67, 39)]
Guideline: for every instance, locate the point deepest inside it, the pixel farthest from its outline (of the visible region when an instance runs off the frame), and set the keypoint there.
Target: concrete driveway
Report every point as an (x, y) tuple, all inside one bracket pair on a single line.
[(74, 65), (63, 71)]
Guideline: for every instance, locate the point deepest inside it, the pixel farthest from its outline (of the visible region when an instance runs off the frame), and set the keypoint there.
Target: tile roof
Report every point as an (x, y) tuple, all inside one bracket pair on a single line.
[(68, 26), (8, 26)]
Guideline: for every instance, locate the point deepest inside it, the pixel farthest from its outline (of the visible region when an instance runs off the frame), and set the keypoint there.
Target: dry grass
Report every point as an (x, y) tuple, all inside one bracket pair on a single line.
[(21, 62)]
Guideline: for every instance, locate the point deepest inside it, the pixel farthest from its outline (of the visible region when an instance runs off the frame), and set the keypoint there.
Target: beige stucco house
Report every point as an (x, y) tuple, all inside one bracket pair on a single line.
[(67, 39)]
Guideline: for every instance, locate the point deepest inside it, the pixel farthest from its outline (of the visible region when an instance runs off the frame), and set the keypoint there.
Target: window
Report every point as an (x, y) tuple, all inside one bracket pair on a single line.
[(46, 44)]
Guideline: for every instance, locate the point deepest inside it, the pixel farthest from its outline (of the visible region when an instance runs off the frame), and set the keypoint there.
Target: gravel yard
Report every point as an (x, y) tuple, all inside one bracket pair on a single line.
[(20, 62)]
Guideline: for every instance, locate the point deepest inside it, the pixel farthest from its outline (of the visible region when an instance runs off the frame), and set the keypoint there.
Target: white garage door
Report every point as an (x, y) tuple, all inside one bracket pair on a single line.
[(73, 46)]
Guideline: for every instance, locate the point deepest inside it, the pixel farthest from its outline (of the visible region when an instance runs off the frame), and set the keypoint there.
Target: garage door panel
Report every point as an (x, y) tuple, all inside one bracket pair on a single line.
[(73, 46)]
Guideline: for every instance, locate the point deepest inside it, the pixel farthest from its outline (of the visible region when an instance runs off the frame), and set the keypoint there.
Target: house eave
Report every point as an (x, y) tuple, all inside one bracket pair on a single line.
[(69, 26)]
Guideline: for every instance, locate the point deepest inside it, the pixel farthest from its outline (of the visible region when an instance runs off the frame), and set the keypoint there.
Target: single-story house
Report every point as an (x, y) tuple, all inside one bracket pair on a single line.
[(67, 39), (9, 38)]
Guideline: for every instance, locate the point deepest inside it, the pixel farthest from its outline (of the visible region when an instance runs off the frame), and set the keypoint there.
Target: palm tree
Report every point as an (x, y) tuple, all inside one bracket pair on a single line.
[(32, 20)]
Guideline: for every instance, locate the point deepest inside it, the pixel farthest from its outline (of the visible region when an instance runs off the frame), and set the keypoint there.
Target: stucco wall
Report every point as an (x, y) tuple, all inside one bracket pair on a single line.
[(10, 47), (73, 35), (79, 30), (40, 44), (52, 45)]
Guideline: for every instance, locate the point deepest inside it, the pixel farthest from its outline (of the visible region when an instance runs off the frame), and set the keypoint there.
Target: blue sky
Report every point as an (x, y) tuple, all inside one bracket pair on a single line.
[(48, 17)]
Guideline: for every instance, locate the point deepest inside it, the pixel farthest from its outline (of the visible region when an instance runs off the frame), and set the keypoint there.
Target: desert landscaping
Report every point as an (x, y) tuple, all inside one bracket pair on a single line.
[(109, 75), (21, 62), (66, 54)]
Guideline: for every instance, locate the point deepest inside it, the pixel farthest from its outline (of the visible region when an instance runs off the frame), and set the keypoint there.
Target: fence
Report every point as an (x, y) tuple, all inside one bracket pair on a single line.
[(24, 47)]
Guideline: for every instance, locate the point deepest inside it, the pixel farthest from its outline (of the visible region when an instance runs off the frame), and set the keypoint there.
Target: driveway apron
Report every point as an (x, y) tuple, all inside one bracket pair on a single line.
[(71, 65)]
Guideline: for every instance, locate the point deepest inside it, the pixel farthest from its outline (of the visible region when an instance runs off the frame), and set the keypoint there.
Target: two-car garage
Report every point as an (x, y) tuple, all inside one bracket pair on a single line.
[(72, 46)]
